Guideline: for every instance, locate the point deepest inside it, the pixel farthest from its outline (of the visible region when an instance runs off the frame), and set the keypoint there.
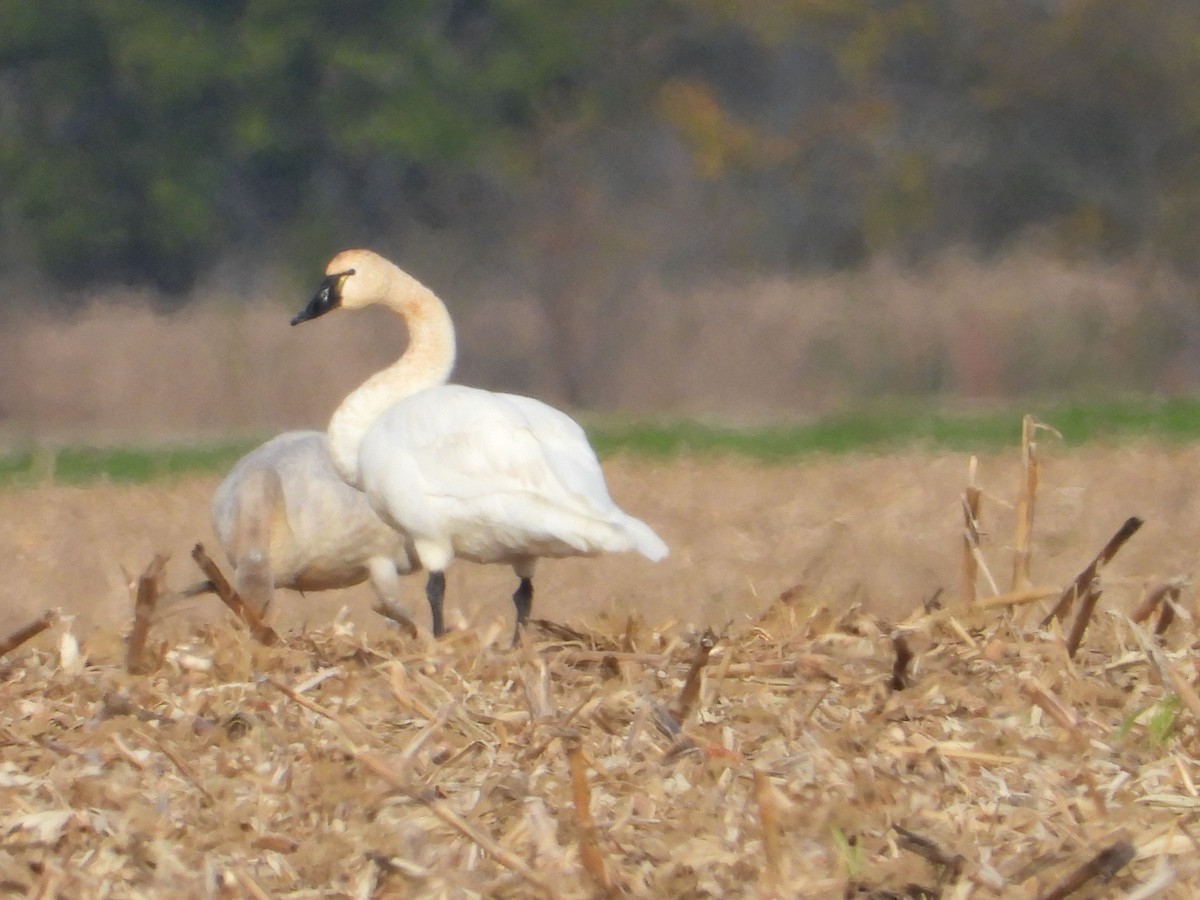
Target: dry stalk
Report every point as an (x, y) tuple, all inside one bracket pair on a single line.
[(537, 686), (28, 632), (810, 665), (933, 602), (148, 588), (1104, 865), (963, 634), (249, 885), (1083, 617), (1000, 601), (1154, 598), (977, 552), (1085, 578), (951, 751), (1165, 618), (185, 770), (970, 560), (425, 735), (768, 814), (723, 669), (691, 685), (589, 847), (802, 720), (1022, 549), (1018, 597), (665, 720), (1049, 702), (572, 657), (405, 696), (633, 629), (951, 866), (900, 677), (1163, 598), (635, 727), (261, 631), (345, 726)]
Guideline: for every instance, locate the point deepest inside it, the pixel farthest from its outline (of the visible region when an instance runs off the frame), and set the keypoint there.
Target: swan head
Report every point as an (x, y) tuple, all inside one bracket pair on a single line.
[(353, 279)]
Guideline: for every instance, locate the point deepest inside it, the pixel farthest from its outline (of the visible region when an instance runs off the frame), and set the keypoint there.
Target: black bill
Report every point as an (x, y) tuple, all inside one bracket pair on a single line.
[(327, 298)]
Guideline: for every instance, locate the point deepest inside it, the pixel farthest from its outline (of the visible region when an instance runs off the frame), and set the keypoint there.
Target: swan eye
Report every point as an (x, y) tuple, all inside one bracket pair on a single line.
[(335, 283)]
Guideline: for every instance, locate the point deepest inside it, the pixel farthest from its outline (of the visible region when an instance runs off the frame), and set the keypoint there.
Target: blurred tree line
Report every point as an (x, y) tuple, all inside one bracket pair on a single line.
[(142, 140)]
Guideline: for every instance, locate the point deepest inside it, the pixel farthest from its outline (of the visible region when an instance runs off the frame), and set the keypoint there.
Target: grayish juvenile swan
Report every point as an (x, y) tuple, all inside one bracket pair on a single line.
[(285, 518), (488, 477)]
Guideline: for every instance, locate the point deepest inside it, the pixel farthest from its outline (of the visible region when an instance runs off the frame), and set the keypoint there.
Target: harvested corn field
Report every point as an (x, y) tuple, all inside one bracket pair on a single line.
[(802, 761), (850, 731)]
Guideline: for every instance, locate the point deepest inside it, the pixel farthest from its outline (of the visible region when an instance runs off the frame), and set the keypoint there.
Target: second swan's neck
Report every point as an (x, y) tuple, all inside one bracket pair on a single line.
[(427, 362)]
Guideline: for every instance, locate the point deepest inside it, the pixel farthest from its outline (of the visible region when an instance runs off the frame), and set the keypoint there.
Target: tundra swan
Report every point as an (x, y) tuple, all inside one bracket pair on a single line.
[(285, 518), (488, 477)]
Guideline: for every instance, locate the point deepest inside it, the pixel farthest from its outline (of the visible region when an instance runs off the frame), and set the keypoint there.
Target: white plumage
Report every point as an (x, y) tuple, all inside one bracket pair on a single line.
[(493, 478), (488, 477), (285, 518)]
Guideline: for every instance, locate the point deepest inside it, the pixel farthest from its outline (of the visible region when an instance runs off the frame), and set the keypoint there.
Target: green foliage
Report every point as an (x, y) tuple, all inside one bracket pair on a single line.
[(1161, 725), (1162, 721), (148, 136), (140, 139), (850, 851)]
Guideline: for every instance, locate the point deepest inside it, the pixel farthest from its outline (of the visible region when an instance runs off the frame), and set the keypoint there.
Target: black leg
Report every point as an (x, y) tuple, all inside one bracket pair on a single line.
[(435, 590), (523, 601)]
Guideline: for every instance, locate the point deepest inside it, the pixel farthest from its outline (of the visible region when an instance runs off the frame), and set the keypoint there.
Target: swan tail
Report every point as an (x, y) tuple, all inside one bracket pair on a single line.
[(644, 540), (549, 531)]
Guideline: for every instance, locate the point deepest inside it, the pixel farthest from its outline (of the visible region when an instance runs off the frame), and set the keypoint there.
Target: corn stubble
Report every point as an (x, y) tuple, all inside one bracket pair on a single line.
[(970, 750)]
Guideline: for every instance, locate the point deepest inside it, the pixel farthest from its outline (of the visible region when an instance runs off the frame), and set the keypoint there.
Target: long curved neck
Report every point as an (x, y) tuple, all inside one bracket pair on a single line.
[(426, 362)]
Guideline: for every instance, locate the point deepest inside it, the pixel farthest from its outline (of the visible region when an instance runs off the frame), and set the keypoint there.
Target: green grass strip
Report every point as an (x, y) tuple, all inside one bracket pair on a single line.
[(131, 465), (867, 430), (892, 428)]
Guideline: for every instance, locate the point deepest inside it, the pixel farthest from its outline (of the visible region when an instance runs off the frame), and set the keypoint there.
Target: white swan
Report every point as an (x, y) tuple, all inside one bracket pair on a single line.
[(488, 477), (285, 518)]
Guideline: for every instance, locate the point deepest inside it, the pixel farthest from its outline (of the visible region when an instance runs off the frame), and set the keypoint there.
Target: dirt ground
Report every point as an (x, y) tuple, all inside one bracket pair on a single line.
[(880, 530)]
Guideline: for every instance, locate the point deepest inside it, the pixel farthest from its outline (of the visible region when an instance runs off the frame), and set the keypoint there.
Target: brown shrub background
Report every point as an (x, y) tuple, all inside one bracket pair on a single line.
[(957, 330)]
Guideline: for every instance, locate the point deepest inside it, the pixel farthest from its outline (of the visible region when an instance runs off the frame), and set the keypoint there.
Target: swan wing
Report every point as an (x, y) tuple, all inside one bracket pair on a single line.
[(565, 450), (466, 443), (573, 461), (500, 473)]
